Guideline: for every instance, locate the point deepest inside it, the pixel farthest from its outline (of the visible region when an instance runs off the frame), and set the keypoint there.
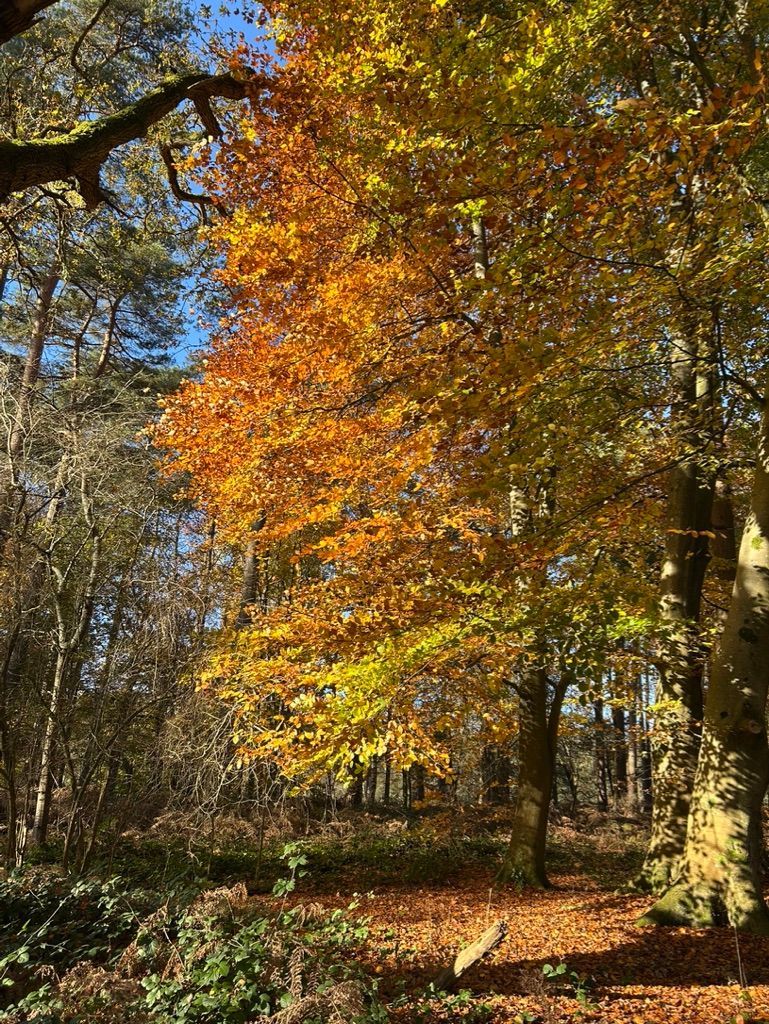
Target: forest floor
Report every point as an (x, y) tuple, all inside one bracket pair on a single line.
[(423, 887), (615, 972)]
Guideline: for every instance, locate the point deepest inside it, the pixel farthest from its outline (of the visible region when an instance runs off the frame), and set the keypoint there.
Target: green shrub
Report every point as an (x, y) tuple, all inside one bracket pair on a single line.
[(59, 920), (218, 959)]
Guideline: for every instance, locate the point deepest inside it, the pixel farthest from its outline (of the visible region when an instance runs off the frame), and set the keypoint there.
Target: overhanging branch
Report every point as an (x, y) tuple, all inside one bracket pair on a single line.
[(81, 153), (16, 16)]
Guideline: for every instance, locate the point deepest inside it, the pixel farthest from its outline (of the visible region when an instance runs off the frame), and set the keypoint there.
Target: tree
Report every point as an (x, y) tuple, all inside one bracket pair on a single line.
[(409, 571), (81, 152)]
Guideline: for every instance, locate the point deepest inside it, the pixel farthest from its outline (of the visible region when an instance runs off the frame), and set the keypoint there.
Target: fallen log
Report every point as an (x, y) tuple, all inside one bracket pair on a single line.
[(470, 955)]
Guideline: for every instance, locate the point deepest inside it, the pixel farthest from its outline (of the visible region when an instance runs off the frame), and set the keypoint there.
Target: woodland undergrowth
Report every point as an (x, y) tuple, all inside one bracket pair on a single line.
[(231, 940)]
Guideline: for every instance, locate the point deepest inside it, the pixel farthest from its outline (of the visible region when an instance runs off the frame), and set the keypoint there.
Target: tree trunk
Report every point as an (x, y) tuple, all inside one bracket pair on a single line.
[(720, 876), (43, 793), (620, 758), (632, 797), (20, 426), (81, 152), (355, 792), (677, 725), (16, 16), (495, 775), (524, 861), (417, 783), (599, 758), (372, 777), (406, 789)]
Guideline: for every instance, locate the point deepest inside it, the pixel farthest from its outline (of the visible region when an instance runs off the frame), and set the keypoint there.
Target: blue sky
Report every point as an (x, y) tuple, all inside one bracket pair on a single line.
[(226, 21)]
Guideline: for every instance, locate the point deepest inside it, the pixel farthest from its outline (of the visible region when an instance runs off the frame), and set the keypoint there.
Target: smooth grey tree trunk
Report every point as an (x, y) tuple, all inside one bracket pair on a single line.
[(720, 875)]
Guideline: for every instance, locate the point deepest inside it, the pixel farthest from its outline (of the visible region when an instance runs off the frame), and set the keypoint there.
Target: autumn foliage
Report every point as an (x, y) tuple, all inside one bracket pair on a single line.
[(454, 250)]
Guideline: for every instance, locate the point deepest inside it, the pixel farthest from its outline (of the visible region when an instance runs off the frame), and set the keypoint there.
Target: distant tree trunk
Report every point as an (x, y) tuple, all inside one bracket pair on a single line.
[(406, 789), (524, 861), (249, 588), (45, 778), (633, 792), (620, 758), (645, 748), (372, 778), (8, 745), (387, 781), (66, 644), (355, 792), (599, 758), (691, 486), (571, 782), (720, 874), (418, 783), (723, 546), (495, 775), (21, 420)]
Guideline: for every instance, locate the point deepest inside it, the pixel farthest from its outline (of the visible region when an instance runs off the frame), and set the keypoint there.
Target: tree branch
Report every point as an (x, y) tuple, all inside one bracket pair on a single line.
[(81, 153), (16, 16)]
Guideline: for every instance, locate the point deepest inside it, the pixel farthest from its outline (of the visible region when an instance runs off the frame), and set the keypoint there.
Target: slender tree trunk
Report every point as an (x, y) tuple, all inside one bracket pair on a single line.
[(387, 781), (720, 875), (571, 782), (406, 789), (355, 792), (620, 758), (495, 775), (20, 426), (249, 591), (677, 725), (43, 793), (108, 340), (372, 778), (599, 758), (418, 783), (632, 796), (645, 747)]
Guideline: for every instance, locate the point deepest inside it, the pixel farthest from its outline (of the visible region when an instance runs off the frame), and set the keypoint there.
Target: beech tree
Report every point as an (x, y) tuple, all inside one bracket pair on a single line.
[(608, 250), (720, 876)]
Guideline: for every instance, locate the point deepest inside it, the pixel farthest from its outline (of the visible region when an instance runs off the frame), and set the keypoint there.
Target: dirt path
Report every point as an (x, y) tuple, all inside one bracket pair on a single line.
[(641, 976)]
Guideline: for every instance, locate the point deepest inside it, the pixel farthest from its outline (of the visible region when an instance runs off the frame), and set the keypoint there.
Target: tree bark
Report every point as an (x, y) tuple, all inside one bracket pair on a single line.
[(678, 714), (470, 955), (620, 758), (495, 775), (372, 777), (632, 798), (599, 757), (32, 364), (66, 645), (19, 428), (720, 876), (406, 789)]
